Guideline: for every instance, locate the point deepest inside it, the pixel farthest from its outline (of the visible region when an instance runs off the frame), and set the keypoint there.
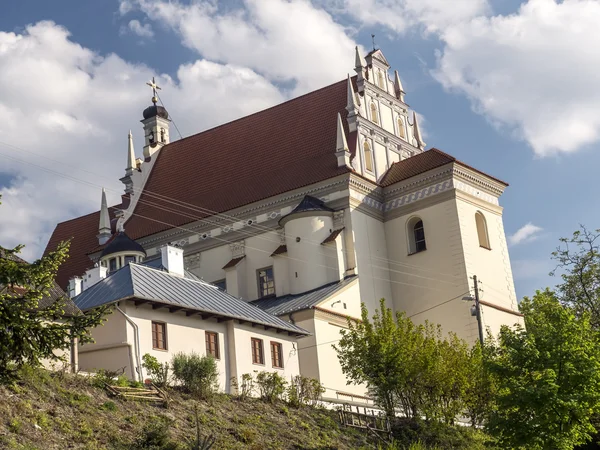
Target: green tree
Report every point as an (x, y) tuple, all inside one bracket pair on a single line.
[(406, 366), (548, 378), (578, 262), (30, 331), (480, 389)]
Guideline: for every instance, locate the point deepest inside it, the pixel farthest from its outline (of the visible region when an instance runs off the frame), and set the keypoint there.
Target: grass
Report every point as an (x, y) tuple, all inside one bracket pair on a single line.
[(57, 411)]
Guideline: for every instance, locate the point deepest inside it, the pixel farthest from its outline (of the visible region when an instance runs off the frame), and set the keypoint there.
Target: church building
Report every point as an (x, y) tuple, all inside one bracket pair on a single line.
[(309, 208)]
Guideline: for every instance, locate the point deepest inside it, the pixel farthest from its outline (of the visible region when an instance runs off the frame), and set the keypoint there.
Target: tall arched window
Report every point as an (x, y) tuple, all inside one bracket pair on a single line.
[(380, 79), (416, 236), (401, 130), (482, 231), (368, 156), (374, 115)]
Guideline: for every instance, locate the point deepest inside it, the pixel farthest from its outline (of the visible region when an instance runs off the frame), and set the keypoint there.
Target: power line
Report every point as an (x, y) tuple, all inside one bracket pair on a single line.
[(208, 221), (172, 120)]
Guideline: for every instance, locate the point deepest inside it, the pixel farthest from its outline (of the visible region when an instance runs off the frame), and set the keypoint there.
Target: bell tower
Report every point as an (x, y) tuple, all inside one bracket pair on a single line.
[(156, 124)]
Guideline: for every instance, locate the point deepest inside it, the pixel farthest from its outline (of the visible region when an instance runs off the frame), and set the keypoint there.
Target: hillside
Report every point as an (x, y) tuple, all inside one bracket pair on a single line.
[(60, 411)]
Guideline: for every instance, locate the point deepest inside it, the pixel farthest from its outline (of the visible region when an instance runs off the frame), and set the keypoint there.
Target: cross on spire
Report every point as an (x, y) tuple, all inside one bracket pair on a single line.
[(155, 87), (373, 39)]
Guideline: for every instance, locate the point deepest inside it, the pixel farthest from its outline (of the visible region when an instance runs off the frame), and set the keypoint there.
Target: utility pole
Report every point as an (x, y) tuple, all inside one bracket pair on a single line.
[(478, 310)]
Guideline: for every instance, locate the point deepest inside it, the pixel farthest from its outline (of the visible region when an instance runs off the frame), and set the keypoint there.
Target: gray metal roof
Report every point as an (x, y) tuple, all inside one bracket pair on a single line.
[(147, 283), (290, 303)]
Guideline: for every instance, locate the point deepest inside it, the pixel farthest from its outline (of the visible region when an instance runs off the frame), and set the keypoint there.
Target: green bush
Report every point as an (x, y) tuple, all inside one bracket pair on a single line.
[(159, 372), (271, 386), (304, 391), (245, 388), (155, 435), (197, 374), (438, 436), (107, 377)]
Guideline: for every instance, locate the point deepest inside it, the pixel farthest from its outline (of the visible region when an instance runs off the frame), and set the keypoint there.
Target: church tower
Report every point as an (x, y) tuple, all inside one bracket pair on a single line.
[(156, 124)]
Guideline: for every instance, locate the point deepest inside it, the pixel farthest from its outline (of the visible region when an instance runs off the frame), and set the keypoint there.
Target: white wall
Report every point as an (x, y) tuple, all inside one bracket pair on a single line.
[(425, 280), (115, 343), (371, 251), (311, 264), (492, 266), (244, 334)]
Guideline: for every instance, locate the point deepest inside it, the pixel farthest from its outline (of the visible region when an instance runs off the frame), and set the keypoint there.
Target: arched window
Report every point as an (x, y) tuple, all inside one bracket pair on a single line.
[(401, 131), (374, 115), (368, 156), (482, 232), (380, 79), (416, 236)]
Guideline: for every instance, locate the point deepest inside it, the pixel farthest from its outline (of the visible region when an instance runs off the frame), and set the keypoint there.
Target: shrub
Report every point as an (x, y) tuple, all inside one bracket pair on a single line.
[(155, 435), (271, 386), (104, 377), (245, 388), (304, 391), (197, 374), (159, 372)]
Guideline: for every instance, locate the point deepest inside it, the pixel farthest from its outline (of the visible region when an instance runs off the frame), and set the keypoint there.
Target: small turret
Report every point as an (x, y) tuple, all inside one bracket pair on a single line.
[(351, 105), (104, 232)]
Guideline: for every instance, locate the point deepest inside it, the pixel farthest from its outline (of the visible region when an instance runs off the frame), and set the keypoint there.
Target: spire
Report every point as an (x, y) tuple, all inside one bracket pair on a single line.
[(130, 154), (104, 225), (342, 152), (399, 89), (417, 132), (342, 144), (351, 106), (357, 61)]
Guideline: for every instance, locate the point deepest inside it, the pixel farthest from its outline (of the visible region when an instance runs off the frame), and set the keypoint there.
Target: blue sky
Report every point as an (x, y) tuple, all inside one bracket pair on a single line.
[(502, 85)]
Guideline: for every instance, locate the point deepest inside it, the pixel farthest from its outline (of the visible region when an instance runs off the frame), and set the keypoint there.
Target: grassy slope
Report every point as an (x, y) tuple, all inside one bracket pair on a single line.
[(47, 412)]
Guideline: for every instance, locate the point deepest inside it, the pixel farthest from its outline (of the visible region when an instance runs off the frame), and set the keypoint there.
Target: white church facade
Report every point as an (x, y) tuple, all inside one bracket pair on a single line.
[(309, 208)]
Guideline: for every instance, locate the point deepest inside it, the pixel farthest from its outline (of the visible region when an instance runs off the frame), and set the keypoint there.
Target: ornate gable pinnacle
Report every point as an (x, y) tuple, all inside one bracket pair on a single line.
[(342, 152)]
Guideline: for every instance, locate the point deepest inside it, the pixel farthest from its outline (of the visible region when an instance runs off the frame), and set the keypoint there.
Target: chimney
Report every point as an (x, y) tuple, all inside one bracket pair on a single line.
[(93, 275), (172, 259), (75, 286)]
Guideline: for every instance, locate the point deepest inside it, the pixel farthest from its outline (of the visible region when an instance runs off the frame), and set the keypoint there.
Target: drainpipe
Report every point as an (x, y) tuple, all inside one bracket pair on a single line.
[(136, 342)]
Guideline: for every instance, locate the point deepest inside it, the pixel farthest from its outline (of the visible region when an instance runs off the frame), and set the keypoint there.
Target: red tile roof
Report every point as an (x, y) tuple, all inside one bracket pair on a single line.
[(285, 147), (82, 232), (421, 163)]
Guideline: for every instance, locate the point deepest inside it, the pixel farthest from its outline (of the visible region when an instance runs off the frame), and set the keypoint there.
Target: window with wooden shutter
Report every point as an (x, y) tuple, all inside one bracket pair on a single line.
[(159, 335), (277, 355), (212, 344), (258, 354)]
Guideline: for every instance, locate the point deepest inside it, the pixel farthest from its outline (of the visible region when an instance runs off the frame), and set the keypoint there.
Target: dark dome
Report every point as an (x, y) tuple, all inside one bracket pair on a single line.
[(154, 110), (122, 243)]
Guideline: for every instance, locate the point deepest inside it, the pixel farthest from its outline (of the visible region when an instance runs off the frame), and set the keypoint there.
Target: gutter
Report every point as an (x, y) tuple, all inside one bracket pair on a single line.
[(136, 341)]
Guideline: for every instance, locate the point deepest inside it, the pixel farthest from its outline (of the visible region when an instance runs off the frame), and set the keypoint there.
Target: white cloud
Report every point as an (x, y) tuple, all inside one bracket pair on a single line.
[(286, 41), (401, 15), (527, 233), (534, 72), (69, 109), (144, 30)]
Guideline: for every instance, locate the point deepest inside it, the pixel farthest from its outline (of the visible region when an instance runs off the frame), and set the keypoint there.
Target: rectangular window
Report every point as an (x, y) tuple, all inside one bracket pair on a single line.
[(258, 354), (277, 355), (112, 264), (159, 335), (221, 284), (212, 344), (266, 282), (129, 259)]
